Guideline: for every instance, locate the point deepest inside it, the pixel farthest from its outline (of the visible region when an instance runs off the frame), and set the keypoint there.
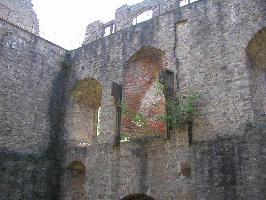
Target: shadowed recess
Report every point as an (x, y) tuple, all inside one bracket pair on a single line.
[(138, 197), (257, 49), (88, 92), (256, 60), (87, 97), (75, 181), (77, 166)]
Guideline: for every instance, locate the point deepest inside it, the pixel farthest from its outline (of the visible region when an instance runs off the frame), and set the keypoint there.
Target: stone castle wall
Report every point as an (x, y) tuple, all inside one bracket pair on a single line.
[(29, 106), (205, 45), (20, 13), (224, 168), (216, 71), (210, 46)]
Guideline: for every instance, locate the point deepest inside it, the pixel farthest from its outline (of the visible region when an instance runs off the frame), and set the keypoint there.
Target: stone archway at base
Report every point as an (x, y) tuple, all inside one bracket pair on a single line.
[(138, 197)]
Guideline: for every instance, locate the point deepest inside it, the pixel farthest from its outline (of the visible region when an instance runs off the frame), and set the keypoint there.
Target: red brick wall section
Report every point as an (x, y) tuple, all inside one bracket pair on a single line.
[(140, 79)]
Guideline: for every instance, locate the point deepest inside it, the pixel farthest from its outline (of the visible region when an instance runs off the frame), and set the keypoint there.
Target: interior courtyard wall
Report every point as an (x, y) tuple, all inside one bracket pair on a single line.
[(30, 93), (211, 49), (204, 45)]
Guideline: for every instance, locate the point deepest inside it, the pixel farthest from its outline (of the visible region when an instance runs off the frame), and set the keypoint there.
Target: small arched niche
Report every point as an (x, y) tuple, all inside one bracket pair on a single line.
[(137, 197), (87, 97), (256, 55), (75, 181), (141, 94)]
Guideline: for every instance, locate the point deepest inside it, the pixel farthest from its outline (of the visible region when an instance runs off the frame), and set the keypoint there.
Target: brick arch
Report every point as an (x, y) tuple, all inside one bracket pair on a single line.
[(140, 95), (137, 197), (256, 60), (143, 52)]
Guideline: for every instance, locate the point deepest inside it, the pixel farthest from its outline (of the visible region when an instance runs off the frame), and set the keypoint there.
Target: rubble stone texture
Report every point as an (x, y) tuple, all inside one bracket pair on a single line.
[(20, 13), (215, 48)]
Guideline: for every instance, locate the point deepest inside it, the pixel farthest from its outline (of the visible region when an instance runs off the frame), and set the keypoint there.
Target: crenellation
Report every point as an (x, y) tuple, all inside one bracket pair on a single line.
[(126, 16)]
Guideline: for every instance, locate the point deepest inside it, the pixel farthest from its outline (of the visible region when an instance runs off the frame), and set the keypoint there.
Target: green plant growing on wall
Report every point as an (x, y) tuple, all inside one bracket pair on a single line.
[(160, 88), (124, 137), (181, 112), (137, 118), (183, 109)]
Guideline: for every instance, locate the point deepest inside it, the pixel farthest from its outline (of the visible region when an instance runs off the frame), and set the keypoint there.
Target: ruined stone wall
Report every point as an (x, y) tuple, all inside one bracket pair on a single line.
[(29, 112), (217, 71), (211, 51), (105, 60), (20, 13), (224, 168), (204, 44)]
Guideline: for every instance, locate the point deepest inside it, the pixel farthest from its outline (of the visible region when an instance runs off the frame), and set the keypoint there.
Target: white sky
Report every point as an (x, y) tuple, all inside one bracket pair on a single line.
[(64, 21)]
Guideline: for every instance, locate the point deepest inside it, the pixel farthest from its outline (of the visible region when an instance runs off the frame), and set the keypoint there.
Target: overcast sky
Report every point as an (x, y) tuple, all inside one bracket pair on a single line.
[(64, 21)]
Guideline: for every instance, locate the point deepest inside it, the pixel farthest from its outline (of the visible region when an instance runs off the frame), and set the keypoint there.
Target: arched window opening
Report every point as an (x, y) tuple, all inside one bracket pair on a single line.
[(87, 96), (143, 101), (256, 55), (138, 197), (75, 181)]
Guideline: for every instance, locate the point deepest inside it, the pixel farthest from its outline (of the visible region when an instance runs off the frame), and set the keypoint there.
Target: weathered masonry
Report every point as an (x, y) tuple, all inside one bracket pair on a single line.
[(62, 126), (20, 13)]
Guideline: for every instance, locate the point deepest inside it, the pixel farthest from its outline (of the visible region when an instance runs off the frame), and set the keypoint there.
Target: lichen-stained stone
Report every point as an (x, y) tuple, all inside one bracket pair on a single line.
[(30, 102), (212, 47)]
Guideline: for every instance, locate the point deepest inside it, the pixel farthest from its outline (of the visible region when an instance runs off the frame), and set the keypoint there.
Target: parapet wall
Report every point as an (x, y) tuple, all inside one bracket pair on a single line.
[(127, 16), (20, 13)]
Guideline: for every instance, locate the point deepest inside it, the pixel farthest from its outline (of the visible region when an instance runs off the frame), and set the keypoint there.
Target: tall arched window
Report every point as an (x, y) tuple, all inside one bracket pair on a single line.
[(87, 97), (141, 95), (256, 54)]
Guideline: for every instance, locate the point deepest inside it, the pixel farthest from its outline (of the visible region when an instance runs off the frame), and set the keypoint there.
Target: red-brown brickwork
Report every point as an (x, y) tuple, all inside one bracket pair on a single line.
[(140, 94)]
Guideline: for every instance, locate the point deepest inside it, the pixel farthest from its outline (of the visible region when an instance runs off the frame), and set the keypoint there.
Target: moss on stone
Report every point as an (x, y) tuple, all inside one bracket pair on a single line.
[(88, 92)]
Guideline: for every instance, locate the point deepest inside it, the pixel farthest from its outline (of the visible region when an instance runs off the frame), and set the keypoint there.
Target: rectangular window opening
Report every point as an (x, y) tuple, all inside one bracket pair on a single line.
[(186, 2), (143, 17), (113, 29), (107, 31), (98, 125)]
